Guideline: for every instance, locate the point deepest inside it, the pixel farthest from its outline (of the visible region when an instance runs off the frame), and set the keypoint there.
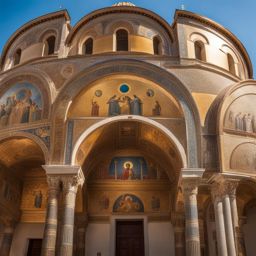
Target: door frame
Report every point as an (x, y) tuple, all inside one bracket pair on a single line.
[(113, 221)]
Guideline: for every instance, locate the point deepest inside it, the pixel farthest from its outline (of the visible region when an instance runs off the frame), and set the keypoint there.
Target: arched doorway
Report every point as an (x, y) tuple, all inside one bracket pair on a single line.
[(132, 169), (24, 194)]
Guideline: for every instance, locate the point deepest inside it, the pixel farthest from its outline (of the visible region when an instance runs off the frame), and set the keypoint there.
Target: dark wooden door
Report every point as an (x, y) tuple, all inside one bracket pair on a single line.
[(34, 247), (129, 238)]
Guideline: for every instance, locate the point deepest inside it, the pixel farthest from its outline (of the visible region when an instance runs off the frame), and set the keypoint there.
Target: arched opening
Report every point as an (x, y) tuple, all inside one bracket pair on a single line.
[(23, 193), (200, 51), (49, 46), (231, 64), (17, 57), (122, 40), (130, 168), (157, 46), (88, 46), (170, 85)]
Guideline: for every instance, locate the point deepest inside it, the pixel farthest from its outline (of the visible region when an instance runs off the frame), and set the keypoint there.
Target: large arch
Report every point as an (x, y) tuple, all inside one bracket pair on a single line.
[(138, 68), (35, 139), (167, 132)]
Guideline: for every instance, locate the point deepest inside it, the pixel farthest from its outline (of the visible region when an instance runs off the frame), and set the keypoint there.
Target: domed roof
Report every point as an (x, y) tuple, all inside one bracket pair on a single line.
[(124, 4)]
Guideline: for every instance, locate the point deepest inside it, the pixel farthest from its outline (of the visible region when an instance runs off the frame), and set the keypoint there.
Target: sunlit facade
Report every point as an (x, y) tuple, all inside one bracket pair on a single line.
[(125, 135)]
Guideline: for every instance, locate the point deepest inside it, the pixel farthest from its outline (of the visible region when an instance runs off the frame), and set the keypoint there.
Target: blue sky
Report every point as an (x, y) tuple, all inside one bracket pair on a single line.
[(236, 15)]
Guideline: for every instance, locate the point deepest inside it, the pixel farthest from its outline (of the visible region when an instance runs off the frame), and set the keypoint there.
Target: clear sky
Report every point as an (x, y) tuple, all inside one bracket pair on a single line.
[(236, 15)]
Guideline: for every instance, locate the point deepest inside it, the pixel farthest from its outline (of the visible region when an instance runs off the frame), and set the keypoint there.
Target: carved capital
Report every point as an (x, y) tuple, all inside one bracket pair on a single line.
[(53, 182), (190, 186), (231, 186), (217, 190), (223, 186), (70, 176), (190, 179), (71, 182)]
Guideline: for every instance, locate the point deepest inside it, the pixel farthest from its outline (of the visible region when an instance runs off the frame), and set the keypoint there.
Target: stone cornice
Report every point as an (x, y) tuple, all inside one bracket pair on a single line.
[(165, 62)]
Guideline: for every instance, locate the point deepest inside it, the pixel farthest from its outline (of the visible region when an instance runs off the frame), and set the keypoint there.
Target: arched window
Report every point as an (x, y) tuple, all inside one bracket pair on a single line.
[(121, 40), (17, 57), (157, 46), (231, 64), (200, 51), (49, 46), (88, 46)]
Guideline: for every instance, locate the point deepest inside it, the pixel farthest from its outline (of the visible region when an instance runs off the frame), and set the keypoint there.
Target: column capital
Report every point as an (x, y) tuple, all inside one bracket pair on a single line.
[(53, 182), (222, 185), (72, 181), (196, 173), (191, 178)]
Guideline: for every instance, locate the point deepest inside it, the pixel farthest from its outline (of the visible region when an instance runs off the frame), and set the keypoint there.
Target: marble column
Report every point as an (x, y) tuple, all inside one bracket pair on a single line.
[(51, 223), (219, 219), (232, 185), (229, 226), (7, 239), (70, 182), (179, 230), (190, 180)]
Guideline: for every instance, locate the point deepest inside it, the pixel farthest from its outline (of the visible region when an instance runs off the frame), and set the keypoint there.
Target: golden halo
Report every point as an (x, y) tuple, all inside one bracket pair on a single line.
[(128, 162)]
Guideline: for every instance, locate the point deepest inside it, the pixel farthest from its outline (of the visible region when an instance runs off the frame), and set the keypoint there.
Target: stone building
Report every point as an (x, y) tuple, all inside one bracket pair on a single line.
[(126, 135)]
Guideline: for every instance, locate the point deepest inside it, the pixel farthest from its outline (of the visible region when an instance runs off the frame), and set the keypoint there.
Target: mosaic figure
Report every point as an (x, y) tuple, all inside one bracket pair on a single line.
[(22, 103), (128, 203), (95, 108), (157, 109), (38, 199), (113, 106)]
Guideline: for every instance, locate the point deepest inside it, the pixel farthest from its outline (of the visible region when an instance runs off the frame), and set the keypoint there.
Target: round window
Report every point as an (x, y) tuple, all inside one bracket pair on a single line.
[(124, 88)]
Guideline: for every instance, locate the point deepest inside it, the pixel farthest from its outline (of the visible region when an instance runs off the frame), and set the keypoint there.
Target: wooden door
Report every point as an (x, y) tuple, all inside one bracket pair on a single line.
[(34, 247), (129, 238)]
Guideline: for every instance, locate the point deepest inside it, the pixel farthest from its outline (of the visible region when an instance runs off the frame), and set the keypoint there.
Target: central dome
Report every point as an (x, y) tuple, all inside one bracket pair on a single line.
[(124, 4)]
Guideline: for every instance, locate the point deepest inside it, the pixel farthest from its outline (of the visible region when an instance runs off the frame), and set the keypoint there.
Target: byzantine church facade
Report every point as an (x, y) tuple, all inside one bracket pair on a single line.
[(127, 135)]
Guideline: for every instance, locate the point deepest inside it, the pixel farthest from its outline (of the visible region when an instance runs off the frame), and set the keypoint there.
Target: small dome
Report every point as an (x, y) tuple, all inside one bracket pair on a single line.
[(124, 4)]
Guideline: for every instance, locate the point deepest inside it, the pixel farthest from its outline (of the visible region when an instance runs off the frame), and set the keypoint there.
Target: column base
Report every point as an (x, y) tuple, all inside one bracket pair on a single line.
[(193, 248)]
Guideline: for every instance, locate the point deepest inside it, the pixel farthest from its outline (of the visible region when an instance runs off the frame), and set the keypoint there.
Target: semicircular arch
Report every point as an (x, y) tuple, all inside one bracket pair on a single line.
[(165, 79), (33, 138), (141, 119)]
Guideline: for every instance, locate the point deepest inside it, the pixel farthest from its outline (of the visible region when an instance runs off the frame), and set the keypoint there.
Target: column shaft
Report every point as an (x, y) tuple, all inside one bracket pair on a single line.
[(220, 228), (70, 186), (235, 219), (191, 214), (66, 248), (50, 230), (229, 227)]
